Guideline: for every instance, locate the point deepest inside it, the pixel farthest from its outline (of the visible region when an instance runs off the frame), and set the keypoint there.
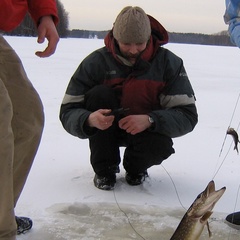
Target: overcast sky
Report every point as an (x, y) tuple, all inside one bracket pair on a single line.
[(202, 16)]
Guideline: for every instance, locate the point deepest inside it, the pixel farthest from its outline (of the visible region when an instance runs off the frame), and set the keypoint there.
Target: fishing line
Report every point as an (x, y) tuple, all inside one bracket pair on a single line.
[(234, 209), (222, 161), (234, 111), (230, 147), (129, 222), (223, 144), (235, 206), (175, 187)]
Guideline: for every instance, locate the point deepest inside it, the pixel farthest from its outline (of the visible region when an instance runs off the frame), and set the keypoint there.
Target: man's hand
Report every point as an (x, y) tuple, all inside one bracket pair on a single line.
[(100, 119), (47, 29), (134, 124)]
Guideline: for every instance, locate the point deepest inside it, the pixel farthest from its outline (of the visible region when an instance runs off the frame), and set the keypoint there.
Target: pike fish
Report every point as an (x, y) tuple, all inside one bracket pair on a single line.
[(234, 134), (196, 217)]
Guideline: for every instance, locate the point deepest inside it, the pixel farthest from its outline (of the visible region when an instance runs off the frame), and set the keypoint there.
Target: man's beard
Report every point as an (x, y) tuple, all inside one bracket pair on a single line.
[(130, 56)]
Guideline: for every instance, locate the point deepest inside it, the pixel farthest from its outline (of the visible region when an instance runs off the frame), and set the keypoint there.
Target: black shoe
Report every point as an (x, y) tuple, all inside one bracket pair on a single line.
[(23, 224), (233, 220), (136, 179), (105, 182)]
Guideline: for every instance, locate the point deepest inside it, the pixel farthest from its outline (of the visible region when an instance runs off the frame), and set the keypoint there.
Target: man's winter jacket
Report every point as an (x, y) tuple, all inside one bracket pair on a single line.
[(157, 85), (232, 18), (12, 12)]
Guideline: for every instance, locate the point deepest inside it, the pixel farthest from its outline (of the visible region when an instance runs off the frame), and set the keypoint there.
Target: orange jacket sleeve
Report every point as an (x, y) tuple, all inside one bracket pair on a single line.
[(12, 12), (40, 8)]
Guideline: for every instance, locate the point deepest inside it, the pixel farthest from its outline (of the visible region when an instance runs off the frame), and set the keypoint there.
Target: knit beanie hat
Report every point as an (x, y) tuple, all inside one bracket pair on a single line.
[(132, 25)]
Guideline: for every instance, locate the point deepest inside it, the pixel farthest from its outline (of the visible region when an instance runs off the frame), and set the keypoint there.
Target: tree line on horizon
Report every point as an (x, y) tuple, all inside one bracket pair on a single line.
[(220, 39), (28, 28)]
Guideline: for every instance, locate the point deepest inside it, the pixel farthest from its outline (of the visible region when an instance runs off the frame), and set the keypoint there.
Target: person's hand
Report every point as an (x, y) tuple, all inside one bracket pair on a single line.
[(134, 124), (100, 120), (47, 29)]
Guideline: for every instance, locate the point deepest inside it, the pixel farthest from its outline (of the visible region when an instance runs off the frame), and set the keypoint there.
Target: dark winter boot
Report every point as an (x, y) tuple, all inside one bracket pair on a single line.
[(24, 224), (233, 220), (136, 178), (105, 182)]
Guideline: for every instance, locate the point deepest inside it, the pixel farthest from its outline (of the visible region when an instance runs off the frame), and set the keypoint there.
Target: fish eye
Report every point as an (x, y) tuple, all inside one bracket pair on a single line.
[(199, 195)]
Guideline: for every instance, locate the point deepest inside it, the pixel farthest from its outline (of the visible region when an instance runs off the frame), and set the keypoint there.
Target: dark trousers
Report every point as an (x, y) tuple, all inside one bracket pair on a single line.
[(143, 150)]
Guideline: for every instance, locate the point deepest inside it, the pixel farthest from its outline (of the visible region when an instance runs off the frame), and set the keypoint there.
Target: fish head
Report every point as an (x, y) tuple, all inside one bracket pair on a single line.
[(205, 202), (231, 130)]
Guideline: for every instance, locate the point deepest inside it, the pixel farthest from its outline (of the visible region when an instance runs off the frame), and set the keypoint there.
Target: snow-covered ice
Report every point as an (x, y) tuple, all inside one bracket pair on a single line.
[(59, 195)]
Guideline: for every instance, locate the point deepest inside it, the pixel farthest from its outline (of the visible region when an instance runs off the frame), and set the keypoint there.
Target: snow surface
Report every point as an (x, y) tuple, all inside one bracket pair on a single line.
[(59, 195)]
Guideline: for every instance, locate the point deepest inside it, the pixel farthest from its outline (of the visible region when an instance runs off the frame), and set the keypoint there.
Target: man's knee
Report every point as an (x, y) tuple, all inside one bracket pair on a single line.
[(148, 149)]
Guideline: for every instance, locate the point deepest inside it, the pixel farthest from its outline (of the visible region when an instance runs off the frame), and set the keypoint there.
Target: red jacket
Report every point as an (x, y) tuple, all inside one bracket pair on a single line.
[(12, 12)]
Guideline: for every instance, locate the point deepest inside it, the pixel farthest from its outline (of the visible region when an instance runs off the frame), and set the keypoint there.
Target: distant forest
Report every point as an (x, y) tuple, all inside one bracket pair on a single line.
[(220, 39), (28, 28)]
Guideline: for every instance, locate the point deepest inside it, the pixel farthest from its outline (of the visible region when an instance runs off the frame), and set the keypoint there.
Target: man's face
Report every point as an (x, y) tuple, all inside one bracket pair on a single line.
[(131, 50)]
